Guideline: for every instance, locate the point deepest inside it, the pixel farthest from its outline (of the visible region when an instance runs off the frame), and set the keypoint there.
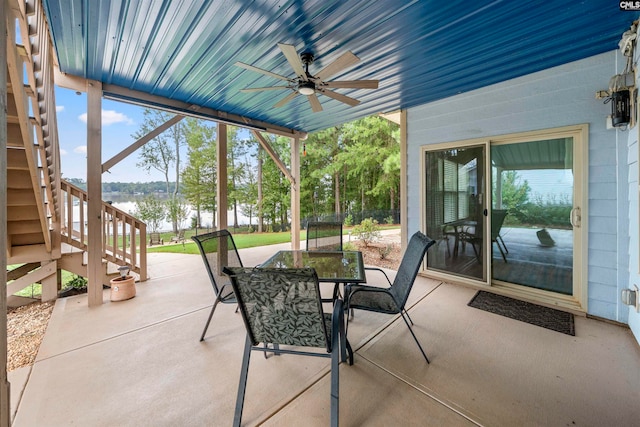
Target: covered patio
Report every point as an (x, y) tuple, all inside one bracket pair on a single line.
[(139, 362)]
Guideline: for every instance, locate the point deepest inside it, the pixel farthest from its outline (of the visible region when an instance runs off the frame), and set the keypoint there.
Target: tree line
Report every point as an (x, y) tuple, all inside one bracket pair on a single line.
[(353, 167)]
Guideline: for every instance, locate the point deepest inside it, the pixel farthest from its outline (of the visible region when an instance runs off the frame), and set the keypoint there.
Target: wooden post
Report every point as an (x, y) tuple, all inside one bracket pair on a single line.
[(94, 192), (5, 402), (404, 234), (295, 193), (221, 188)]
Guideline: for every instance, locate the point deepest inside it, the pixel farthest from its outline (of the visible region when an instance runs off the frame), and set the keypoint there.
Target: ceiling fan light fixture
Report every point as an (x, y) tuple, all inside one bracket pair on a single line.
[(306, 88)]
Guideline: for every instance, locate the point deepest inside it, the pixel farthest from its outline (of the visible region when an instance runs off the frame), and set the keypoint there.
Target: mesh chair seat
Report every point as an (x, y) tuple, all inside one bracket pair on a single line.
[(372, 298), (218, 250), (283, 307), (392, 300)]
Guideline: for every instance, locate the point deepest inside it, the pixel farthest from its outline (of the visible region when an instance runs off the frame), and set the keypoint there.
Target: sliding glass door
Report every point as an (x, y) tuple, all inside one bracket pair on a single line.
[(455, 192), (507, 212), (533, 186)]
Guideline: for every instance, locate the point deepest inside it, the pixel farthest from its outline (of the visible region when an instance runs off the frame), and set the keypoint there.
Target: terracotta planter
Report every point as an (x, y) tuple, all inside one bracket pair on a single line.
[(122, 288)]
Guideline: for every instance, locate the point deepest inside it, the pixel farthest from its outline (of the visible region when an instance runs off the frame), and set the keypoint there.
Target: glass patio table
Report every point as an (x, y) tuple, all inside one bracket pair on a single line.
[(331, 266)]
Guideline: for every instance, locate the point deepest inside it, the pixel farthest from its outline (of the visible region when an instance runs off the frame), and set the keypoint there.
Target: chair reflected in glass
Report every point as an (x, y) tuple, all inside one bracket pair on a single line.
[(218, 250), (473, 235), (392, 298), (324, 236), (282, 307)]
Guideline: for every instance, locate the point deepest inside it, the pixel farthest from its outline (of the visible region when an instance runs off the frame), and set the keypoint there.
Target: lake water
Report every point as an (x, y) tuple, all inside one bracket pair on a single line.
[(128, 204)]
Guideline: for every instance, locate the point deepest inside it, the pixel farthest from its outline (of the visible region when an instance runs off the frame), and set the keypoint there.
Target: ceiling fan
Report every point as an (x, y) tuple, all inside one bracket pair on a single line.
[(309, 84)]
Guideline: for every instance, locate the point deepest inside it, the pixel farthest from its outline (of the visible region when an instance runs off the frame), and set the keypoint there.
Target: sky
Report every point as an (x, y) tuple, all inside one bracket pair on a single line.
[(119, 122)]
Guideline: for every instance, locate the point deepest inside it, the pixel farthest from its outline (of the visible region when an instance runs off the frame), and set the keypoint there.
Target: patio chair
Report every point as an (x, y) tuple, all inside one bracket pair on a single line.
[(324, 236), (473, 235), (392, 299), (155, 239), (218, 250), (179, 237), (282, 307)]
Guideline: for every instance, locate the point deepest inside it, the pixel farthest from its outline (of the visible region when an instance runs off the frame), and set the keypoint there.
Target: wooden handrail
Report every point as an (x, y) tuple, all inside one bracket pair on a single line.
[(124, 237)]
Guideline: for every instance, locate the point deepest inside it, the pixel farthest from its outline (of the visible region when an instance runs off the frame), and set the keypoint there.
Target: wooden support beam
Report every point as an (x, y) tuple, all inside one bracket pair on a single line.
[(274, 156), (140, 142), (404, 234), (94, 191), (221, 187), (47, 269), (5, 401), (295, 194)]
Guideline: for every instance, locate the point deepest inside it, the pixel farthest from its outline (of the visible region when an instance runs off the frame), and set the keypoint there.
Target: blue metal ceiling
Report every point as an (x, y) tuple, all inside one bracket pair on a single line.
[(420, 51)]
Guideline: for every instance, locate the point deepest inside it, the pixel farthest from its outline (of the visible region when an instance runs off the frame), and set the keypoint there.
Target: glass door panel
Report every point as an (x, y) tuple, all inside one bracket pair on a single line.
[(455, 213), (532, 198)]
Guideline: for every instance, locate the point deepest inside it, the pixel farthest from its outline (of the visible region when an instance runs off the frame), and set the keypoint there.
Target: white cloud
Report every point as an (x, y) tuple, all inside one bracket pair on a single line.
[(109, 117), (81, 149), (59, 108), (63, 152)]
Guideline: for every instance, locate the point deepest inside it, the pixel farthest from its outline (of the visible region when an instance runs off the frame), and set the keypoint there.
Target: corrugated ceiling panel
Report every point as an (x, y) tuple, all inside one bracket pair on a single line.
[(420, 51)]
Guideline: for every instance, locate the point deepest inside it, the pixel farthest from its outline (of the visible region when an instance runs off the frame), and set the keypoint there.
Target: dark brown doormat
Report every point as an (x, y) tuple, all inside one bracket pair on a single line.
[(538, 315)]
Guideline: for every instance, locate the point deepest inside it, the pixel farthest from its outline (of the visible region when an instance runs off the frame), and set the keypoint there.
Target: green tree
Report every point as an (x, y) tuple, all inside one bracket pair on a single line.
[(276, 188), (178, 211), (515, 194), (372, 159), (151, 210), (160, 153), (199, 174)]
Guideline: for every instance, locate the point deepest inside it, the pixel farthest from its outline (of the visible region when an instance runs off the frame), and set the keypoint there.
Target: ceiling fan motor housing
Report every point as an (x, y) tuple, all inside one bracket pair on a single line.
[(306, 88), (306, 58)]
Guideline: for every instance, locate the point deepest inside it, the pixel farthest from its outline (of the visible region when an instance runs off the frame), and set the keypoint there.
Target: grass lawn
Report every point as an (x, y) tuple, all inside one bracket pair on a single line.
[(241, 240)]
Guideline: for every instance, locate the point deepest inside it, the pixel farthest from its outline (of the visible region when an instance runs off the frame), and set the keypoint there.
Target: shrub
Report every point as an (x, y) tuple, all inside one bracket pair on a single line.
[(77, 282), (385, 250), (348, 220), (367, 231), (348, 246), (389, 220)]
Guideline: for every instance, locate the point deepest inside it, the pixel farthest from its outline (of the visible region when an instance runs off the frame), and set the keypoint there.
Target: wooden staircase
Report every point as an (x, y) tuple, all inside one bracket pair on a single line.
[(44, 232)]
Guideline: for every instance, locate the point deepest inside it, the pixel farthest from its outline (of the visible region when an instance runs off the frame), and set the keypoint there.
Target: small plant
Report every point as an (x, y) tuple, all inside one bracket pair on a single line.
[(348, 220), (348, 246), (389, 220), (385, 250), (367, 231), (77, 282)]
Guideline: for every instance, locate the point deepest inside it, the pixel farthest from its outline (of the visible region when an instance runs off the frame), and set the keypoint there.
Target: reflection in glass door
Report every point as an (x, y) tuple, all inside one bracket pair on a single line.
[(455, 211), (532, 201)]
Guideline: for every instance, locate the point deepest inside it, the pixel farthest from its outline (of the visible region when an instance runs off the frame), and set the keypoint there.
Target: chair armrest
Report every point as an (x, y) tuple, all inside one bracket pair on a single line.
[(381, 271)]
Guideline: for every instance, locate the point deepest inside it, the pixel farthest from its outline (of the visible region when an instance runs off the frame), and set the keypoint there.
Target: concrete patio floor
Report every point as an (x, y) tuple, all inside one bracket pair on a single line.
[(139, 363)]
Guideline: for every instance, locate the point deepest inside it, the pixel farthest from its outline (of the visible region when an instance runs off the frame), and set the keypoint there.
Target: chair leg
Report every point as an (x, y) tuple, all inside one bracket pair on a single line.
[(242, 386), (414, 337), (504, 257), (336, 350), (407, 314), (503, 245), (215, 303), (345, 348)]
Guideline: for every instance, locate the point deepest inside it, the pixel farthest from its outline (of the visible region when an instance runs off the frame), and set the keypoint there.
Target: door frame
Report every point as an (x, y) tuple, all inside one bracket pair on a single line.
[(576, 302)]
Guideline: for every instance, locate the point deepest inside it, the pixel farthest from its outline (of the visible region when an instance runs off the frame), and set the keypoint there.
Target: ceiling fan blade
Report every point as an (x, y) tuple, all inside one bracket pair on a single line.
[(315, 104), (291, 54), (286, 99), (342, 98), (260, 70), (353, 84), (258, 89), (347, 59)]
